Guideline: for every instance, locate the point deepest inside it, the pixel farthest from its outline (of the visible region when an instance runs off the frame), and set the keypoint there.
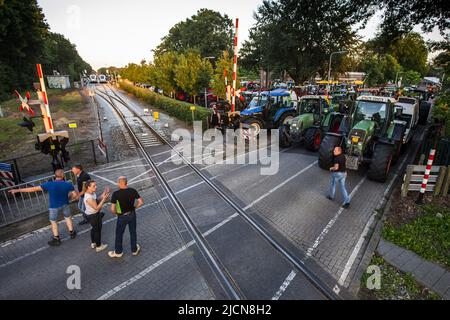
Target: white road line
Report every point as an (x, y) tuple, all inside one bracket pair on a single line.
[(362, 238), (331, 222), (100, 177), (284, 286), (282, 184), (121, 168), (140, 175)]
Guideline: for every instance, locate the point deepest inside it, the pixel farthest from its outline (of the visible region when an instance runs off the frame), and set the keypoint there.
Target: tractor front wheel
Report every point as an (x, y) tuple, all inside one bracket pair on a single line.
[(285, 141), (381, 162), (326, 151), (313, 138)]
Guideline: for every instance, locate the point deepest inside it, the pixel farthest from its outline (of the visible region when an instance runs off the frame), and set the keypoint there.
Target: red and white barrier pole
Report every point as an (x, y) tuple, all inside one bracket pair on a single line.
[(48, 123), (233, 99), (426, 176)]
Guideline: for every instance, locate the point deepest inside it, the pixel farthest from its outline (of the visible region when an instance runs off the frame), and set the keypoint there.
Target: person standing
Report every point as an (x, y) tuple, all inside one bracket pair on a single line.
[(60, 193), (124, 203), (82, 178), (93, 213), (338, 176)]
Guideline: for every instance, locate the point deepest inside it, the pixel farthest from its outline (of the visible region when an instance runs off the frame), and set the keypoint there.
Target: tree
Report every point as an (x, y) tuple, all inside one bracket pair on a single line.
[(411, 52), (299, 36), (208, 32), (379, 69), (224, 63), (22, 31), (164, 71), (192, 73), (410, 78)]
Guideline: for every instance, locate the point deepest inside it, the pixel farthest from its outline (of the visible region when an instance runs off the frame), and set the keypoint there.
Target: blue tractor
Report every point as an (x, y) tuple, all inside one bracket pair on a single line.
[(269, 110)]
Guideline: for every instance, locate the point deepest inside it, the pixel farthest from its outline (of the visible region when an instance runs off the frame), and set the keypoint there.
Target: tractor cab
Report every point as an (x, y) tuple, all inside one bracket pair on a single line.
[(268, 110)]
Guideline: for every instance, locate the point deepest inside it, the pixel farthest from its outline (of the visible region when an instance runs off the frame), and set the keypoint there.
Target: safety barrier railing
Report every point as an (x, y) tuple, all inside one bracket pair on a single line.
[(21, 206)]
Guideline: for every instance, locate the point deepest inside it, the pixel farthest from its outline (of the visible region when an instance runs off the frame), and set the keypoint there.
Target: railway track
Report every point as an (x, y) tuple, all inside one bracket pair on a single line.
[(137, 128)]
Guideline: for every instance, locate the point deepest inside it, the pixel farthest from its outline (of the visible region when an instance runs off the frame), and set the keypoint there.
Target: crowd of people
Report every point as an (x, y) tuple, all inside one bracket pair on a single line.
[(124, 203)]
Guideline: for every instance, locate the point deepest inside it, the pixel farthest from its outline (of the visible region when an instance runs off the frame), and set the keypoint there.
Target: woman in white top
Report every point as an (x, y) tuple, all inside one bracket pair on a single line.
[(94, 215)]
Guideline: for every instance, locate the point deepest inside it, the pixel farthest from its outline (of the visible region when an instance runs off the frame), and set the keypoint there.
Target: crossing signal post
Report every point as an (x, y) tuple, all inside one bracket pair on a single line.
[(51, 142)]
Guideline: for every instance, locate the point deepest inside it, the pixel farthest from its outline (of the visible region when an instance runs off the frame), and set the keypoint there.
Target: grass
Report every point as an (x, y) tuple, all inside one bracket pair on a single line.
[(395, 285), (428, 235), (11, 134)]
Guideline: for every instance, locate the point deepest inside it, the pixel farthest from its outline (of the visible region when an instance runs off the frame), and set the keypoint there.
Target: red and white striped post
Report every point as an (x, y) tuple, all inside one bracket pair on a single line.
[(233, 99), (48, 123), (426, 176)]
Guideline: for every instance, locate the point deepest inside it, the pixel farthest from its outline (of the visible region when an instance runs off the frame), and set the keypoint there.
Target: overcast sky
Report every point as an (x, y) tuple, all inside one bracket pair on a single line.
[(116, 32)]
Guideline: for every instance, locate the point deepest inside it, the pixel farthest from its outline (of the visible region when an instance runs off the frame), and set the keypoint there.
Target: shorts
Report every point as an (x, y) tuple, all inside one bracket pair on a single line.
[(53, 213)]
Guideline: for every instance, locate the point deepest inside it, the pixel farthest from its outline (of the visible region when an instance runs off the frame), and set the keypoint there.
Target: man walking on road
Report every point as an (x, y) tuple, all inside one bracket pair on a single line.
[(124, 203), (60, 193), (339, 175), (82, 179)]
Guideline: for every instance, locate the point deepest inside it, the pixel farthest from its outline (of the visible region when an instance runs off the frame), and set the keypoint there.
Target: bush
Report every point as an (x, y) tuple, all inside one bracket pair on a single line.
[(441, 114), (178, 109)]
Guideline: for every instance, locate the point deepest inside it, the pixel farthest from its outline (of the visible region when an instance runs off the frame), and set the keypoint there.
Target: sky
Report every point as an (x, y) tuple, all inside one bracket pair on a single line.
[(116, 32)]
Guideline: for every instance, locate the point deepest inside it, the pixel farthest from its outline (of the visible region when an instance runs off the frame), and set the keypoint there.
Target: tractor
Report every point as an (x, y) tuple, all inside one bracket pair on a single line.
[(269, 110), (316, 117), (369, 134)]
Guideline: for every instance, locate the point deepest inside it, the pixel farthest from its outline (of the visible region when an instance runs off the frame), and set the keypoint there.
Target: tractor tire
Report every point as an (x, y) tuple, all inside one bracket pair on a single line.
[(257, 124), (326, 151), (285, 142), (284, 118), (313, 138), (381, 163)]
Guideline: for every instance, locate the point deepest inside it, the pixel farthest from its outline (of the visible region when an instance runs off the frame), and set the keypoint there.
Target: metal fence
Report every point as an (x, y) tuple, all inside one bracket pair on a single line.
[(86, 153), (21, 206), (442, 157)]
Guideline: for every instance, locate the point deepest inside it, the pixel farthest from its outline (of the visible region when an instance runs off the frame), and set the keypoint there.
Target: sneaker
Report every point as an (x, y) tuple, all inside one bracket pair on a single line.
[(85, 221), (346, 206), (56, 241), (93, 245), (101, 248), (73, 234), (330, 198), (137, 251), (113, 254)]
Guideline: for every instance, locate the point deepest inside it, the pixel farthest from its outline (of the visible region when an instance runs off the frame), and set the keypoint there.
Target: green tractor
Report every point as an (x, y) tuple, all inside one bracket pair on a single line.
[(316, 117), (368, 135)]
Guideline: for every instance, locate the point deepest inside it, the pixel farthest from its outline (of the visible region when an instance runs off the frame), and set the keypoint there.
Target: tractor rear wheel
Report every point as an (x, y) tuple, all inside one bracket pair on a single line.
[(313, 138), (326, 151), (381, 162), (255, 125), (285, 142)]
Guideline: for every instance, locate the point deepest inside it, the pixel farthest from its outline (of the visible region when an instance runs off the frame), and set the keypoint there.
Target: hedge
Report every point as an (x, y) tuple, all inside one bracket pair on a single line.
[(178, 109)]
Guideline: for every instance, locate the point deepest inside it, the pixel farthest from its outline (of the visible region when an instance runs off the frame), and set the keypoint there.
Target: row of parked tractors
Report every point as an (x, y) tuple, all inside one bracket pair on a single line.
[(372, 130)]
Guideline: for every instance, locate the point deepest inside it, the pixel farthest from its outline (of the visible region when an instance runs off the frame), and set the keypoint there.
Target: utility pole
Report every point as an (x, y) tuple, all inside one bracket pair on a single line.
[(329, 67)]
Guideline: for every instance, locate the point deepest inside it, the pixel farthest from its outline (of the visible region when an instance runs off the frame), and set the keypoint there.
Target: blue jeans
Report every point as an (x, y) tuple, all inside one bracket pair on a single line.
[(122, 222), (339, 177)]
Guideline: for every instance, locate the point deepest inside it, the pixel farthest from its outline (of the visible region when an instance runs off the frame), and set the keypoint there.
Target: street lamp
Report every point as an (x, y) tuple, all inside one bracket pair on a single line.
[(329, 66), (206, 89)]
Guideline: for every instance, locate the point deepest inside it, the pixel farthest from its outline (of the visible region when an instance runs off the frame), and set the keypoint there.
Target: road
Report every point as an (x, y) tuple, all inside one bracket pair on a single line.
[(290, 204)]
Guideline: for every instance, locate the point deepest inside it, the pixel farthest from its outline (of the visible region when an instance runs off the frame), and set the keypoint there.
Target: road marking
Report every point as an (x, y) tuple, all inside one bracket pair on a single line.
[(366, 230), (140, 175), (282, 184), (121, 168), (332, 222), (284, 286), (100, 177)]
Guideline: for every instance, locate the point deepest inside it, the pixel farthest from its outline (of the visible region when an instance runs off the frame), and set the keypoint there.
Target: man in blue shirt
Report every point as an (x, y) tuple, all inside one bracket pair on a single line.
[(60, 193)]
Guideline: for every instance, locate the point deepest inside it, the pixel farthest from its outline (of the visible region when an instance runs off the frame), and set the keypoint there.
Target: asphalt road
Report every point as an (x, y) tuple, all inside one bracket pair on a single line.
[(291, 204)]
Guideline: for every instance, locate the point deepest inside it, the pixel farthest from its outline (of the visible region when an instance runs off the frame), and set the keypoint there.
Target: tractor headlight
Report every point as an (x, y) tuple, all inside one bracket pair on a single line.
[(294, 125)]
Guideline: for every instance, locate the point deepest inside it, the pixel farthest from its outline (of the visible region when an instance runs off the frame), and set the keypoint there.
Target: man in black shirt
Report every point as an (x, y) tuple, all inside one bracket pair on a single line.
[(82, 179), (339, 175), (124, 203)]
